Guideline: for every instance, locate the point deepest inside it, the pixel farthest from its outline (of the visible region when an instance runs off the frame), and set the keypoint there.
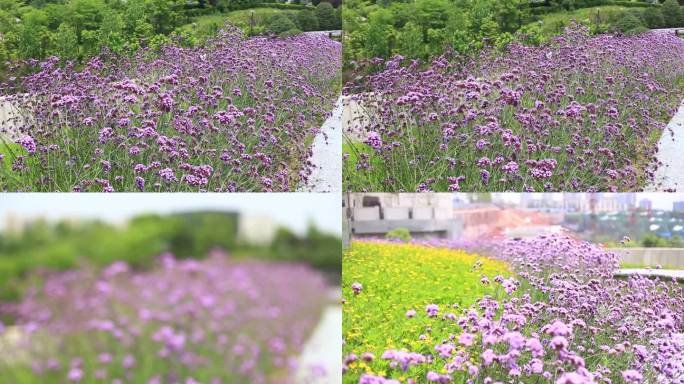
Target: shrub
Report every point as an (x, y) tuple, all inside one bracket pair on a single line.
[(672, 13), (279, 24), (281, 6), (327, 17), (307, 21), (653, 241), (630, 25), (402, 234), (653, 17)]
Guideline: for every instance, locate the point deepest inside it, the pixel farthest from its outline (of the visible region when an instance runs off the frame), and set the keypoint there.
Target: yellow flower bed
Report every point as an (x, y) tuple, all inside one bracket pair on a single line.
[(396, 278)]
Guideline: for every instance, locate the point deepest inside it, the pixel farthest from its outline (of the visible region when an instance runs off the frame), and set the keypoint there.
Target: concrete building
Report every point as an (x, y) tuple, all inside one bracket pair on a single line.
[(256, 229), (645, 204), (678, 206), (424, 215), (599, 202), (541, 201)]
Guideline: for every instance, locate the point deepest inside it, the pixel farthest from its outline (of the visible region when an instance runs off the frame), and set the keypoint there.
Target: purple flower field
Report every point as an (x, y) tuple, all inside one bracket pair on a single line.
[(188, 321), (237, 115), (561, 319), (581, 113)]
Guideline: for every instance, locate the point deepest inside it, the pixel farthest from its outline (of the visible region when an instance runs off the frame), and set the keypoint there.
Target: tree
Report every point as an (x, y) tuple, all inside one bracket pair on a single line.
[(134, 11), (163, 14), (377, 44), (653, 17), (280, 24), (410, 41), (327, 18), (86, 15), (66, 42), (672, 13), (508, 14), (111, 32), (307, 21), (33, 36)]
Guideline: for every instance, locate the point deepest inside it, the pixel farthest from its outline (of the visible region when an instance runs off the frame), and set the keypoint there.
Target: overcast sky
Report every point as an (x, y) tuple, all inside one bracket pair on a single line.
[(660, 200), (294, 210)]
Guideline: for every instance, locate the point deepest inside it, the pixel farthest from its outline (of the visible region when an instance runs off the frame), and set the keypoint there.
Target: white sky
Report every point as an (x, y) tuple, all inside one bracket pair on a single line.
[(661, 200), (294, 210)]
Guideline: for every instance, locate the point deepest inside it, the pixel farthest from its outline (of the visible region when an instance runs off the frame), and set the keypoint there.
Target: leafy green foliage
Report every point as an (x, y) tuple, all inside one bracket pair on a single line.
[(280, 24), (319, 249), (425, 28), (402, 234), (630, 25), (672, 14), (78, 29), (307, 21), (327, 17), (65, 245)]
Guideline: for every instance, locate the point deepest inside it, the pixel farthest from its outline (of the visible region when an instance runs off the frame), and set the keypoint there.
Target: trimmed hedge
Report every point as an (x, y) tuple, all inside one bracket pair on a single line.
[(283, 6), (195, 12), (536, 9)]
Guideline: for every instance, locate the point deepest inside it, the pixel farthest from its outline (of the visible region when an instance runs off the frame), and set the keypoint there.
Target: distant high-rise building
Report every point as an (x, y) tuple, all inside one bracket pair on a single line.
[(627, 200), (678, 206), (645, 204), (575, 202)]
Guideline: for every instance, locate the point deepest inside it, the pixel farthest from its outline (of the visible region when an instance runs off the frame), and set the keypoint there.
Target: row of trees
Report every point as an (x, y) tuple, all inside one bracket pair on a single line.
[(634, 21), (422, 28), (324, 17), (66, 245), (80, 28)]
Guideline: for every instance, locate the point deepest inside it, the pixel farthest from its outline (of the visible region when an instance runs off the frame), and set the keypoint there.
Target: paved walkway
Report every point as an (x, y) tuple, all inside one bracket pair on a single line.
[(334, 32), (663, 273), (670, 175), (8, 114), (327, 155), (321, 360)]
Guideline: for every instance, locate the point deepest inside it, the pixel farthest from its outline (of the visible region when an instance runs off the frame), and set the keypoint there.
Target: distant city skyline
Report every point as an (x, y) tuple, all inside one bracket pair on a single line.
[(662, 201), (293, 210)]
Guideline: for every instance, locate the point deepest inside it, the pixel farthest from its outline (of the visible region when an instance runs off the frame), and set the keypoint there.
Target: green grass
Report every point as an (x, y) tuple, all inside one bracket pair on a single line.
[(554, 23), (400, 277)]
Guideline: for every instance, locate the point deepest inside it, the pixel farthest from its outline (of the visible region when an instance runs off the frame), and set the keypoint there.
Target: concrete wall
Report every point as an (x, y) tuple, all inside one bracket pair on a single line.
[(366, 214), (673, 257)]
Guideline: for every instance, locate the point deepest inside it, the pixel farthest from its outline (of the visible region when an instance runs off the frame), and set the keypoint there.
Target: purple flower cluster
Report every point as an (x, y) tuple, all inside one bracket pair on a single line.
[(581, 113), (209, 321), (567, 321), (246, 109)]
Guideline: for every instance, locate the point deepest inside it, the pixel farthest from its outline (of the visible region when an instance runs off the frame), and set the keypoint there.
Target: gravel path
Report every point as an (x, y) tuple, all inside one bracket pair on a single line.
[(327, 155), (670, 175)]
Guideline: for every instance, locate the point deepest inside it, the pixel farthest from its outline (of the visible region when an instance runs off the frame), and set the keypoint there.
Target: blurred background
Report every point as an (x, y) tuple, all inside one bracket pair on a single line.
[(646, 229), (47, 239), (61, 231)]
